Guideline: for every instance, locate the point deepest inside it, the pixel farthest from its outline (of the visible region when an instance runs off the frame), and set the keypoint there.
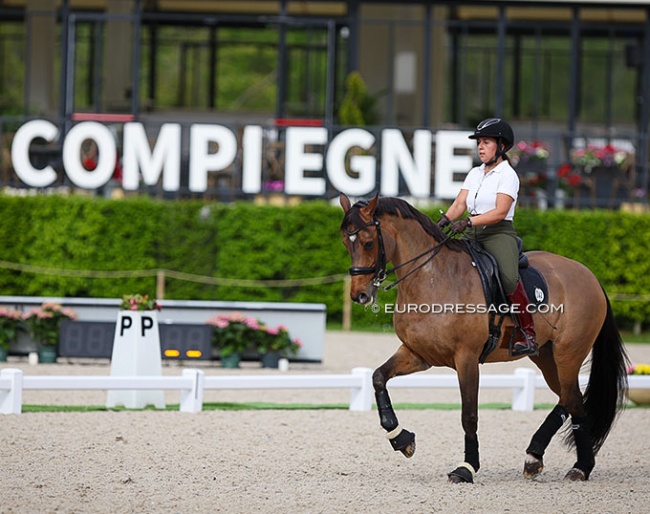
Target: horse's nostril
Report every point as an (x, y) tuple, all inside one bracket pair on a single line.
[(362, 298)]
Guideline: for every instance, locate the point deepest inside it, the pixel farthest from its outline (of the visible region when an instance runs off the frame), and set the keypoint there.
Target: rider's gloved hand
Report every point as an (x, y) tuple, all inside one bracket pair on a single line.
[(444, 221), (461, 225)]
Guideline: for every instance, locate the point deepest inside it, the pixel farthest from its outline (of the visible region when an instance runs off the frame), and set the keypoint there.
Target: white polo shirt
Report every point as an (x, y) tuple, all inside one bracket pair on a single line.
[(482, 189)]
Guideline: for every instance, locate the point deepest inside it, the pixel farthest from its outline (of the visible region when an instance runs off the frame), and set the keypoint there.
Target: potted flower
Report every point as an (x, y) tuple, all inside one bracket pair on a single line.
[(567, 177), (529, 159), (139, 302), (525, 152), (604, 174), (639, 396), (44, 323), (607, 156), (233, 334), (10, 324), (274, 344)]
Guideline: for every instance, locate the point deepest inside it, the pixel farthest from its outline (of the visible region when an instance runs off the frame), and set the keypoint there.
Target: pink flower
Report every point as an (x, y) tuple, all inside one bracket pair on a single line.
[(69, 313), (238, 316), (252, 323)]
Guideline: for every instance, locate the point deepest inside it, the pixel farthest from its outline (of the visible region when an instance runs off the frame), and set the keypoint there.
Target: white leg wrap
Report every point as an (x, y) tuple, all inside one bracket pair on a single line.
[(469, 467), (394, 433)]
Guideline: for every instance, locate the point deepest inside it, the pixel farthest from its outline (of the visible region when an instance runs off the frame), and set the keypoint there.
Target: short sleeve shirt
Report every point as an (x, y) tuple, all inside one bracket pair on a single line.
[(483, 188)]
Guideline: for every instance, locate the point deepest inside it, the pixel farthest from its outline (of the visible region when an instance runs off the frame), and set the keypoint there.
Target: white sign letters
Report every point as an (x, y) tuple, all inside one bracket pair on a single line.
[(313, 157)]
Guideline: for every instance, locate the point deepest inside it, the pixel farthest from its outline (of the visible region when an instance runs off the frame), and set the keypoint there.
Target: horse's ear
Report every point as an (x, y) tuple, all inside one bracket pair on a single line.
[(372, 205), (345, 202)]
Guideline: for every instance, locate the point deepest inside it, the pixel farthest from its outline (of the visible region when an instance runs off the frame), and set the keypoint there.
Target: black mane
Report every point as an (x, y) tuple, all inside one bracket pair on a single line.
[(401, 208)]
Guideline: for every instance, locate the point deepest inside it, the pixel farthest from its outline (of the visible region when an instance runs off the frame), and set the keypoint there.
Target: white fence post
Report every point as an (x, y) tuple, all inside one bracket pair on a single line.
[(192, 399), (361, 397), (523, 398), (11, 400)]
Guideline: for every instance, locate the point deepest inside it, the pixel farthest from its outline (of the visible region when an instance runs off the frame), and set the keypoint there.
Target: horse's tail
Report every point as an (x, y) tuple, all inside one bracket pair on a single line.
[(605, 392)]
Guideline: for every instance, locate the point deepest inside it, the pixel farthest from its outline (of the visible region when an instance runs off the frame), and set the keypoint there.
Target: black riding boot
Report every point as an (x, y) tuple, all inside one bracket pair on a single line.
[(525, 343)]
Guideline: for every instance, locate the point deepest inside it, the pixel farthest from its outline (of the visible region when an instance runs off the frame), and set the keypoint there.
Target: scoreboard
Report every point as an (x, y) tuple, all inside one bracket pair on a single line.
[(94, 339)]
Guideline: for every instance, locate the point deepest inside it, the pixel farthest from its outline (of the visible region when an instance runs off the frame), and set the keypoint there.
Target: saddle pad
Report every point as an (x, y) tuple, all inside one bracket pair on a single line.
[(535, 285)]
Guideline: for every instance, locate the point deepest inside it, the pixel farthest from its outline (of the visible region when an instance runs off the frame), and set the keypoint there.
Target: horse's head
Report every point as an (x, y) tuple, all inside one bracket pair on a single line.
[(363, 239)]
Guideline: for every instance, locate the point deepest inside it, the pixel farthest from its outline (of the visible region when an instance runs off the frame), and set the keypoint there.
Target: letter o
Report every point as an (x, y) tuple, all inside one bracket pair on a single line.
[(107, 154)]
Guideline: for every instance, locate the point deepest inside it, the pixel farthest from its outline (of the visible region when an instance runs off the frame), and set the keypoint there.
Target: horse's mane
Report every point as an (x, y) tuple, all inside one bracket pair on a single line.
[(402, 209)]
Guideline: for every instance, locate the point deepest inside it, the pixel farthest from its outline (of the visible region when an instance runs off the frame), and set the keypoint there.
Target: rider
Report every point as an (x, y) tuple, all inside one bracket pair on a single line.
[(489, 193)]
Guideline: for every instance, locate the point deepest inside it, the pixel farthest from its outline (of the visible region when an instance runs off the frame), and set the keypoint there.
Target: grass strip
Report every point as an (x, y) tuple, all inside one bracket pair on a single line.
[(232, 406)]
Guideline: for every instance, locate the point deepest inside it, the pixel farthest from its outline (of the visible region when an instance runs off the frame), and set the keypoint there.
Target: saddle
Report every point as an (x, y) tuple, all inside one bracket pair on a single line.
[(488, 270)]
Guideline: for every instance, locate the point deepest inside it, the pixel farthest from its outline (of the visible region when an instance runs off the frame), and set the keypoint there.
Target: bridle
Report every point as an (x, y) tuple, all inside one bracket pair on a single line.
[(378, 270)]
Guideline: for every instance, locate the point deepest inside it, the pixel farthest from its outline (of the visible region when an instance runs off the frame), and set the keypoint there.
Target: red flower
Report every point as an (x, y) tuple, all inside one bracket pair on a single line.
[(574, 180), (564, 171)]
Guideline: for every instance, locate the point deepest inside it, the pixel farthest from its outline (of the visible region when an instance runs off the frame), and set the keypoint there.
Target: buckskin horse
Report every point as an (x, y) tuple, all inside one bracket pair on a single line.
[(433, 269)]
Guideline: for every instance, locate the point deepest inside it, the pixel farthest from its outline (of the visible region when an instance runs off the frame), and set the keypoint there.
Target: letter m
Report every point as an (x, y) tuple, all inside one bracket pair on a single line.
[(165, 157)]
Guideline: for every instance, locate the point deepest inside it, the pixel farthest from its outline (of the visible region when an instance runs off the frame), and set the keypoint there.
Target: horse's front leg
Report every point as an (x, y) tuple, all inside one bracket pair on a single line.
[(403, 362), (468, 379)]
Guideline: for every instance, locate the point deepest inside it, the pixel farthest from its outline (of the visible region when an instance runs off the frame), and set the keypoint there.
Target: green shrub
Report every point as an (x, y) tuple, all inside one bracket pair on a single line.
[(245, 242)]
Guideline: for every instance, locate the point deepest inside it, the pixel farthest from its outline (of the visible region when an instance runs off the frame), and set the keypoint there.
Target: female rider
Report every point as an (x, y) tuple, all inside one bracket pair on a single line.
[(489, 194)]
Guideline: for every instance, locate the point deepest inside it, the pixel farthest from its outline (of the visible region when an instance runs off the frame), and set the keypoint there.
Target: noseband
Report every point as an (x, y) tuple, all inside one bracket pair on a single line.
[(379, 269)]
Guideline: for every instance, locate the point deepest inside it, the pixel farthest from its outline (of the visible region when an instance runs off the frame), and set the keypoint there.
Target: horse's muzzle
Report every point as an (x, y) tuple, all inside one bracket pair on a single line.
[(362, 298)]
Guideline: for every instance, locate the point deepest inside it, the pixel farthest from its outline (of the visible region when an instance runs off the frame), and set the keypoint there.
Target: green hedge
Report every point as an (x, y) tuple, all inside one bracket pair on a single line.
[(248, 242)]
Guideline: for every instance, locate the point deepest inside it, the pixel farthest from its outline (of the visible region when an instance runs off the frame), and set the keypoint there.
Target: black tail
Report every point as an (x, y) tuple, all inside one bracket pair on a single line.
[(605, 393)]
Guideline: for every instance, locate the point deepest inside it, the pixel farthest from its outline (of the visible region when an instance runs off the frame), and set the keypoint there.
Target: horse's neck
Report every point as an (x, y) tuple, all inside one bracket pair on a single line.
[(442, 271), (410, 241)]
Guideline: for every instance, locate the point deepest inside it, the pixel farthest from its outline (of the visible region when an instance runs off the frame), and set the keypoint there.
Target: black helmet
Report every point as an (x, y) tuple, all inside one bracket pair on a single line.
[(498, 129)]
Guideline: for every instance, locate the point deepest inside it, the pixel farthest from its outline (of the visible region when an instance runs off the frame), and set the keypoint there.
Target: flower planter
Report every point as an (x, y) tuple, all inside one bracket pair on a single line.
[(230, 361), (639, 396), (47, 354), (270, 360), (602, 187)]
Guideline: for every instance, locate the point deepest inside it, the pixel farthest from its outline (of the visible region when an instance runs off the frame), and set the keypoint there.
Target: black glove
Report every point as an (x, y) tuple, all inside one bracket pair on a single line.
[(444, 221), (461, 225)]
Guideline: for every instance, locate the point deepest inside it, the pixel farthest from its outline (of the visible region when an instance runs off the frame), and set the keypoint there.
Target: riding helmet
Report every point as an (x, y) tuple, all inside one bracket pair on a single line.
[(498, 129)]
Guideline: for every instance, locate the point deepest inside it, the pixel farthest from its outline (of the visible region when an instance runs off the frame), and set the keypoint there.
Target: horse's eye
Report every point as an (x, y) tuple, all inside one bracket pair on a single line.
[(368, 245)]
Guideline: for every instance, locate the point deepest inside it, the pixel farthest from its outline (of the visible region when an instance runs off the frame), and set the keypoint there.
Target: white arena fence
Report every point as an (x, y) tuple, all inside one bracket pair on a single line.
[(193, 382)]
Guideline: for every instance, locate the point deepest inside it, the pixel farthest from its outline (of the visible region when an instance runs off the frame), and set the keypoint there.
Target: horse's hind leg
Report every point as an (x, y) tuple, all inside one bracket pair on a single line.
[(403, 362), (534, 463), (571, 403)]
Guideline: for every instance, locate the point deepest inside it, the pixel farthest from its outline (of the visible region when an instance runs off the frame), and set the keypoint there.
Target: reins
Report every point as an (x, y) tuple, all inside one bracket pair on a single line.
[(433, 251)]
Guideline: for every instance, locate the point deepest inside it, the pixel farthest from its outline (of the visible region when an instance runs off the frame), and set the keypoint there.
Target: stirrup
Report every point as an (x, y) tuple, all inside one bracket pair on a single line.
[(527, 347)]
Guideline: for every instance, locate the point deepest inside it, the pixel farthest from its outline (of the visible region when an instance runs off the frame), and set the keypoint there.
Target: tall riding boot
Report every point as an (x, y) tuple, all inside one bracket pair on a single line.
[(525, 345)]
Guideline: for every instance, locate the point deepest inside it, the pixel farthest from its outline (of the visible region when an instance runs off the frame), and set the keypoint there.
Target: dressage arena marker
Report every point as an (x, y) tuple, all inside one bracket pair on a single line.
[(136, 352), (192, 383)]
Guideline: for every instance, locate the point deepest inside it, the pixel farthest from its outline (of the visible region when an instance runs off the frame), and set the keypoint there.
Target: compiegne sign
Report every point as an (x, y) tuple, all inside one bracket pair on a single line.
[(306, 172)]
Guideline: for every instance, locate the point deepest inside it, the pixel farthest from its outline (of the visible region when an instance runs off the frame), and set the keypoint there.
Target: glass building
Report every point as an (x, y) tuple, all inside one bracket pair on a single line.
[(570, 76)]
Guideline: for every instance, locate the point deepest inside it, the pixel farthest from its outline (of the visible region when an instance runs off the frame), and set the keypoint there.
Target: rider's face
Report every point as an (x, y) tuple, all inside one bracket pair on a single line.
[(487, 148)]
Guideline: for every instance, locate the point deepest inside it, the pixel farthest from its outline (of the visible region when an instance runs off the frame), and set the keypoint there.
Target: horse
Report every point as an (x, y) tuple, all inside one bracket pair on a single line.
[(435, 269)]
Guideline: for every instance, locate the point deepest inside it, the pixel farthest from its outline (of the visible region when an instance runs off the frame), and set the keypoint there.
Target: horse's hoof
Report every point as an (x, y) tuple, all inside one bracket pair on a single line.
[(463, 474), (404, 441), (409, 450), (575, 475), (533, 466)]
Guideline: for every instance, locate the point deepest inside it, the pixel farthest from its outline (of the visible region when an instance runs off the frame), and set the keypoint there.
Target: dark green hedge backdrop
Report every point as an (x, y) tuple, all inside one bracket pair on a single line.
[(250, 242)]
